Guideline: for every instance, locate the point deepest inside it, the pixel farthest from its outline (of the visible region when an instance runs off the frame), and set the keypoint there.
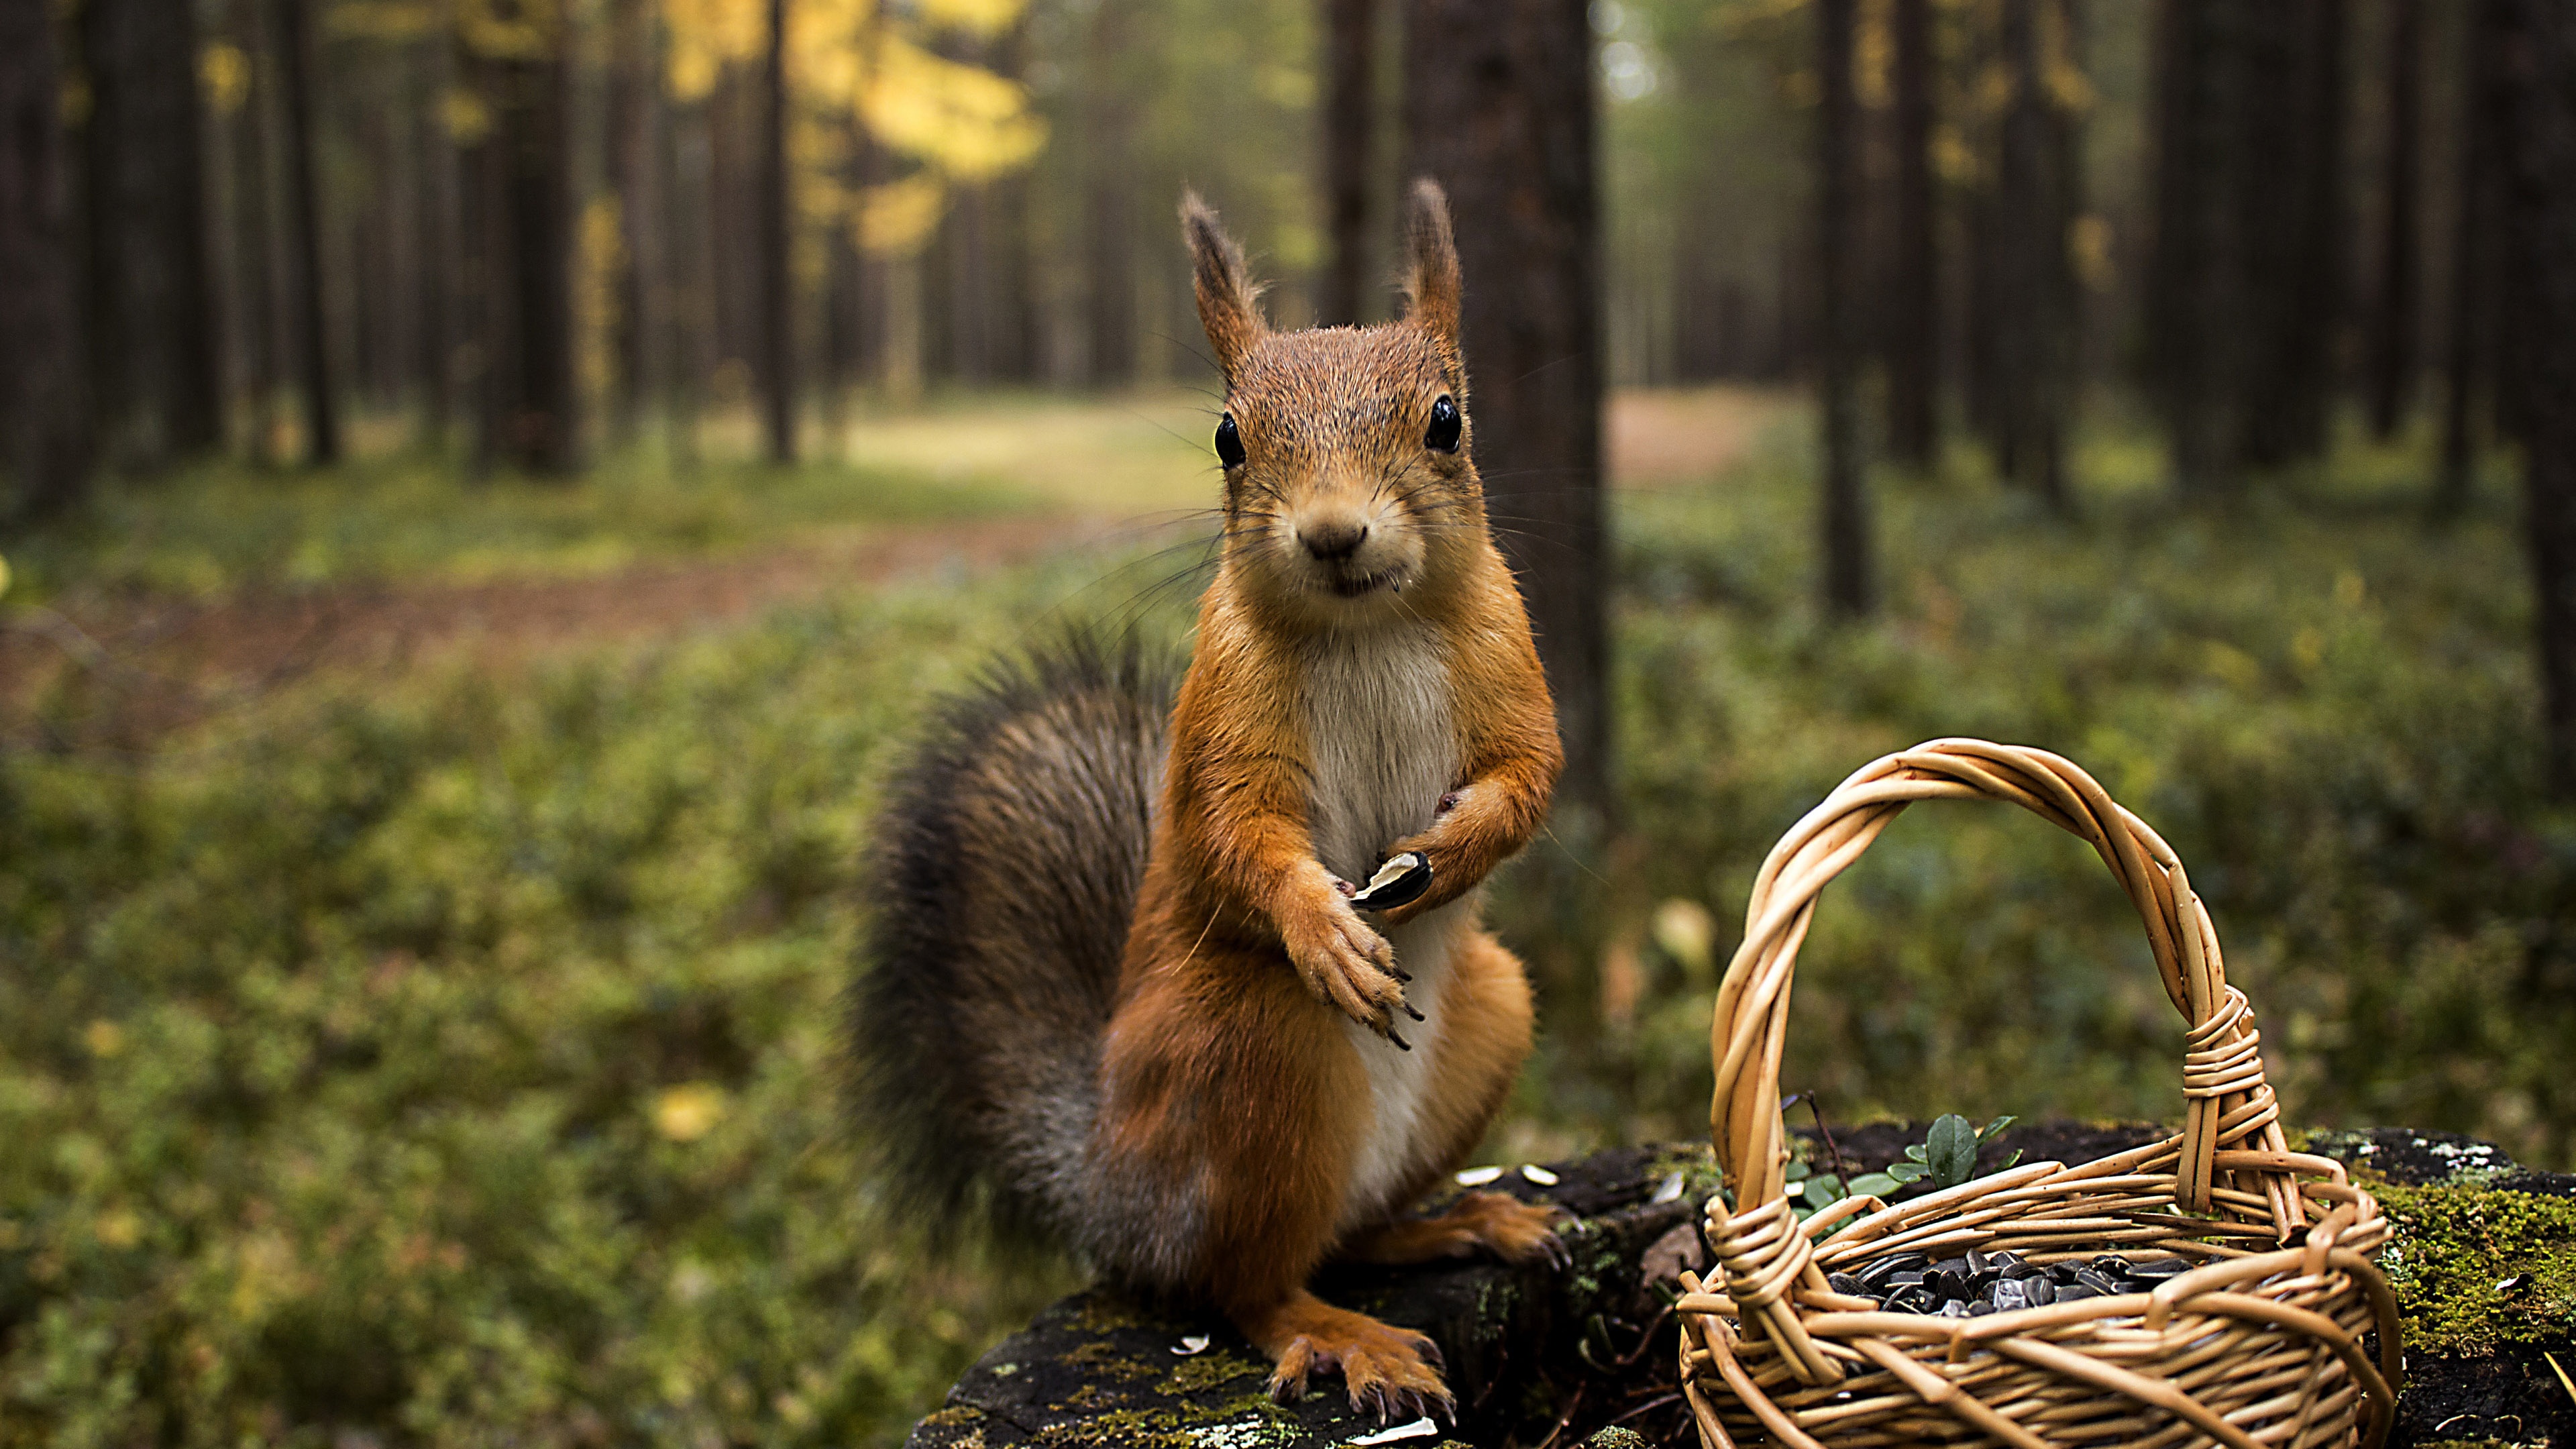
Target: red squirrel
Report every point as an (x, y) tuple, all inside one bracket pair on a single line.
[(1124, 987)]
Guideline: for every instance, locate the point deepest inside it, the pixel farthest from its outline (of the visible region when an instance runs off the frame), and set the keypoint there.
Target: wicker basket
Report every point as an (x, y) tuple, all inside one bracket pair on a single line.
[(2260, 1345)]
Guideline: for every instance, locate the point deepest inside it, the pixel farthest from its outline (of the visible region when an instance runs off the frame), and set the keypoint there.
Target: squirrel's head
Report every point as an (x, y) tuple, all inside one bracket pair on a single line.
[(1349, 476)]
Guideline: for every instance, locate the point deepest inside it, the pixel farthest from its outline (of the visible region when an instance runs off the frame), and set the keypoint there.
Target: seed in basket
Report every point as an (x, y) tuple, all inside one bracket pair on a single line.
[(2160, 1268), (2039, 1291), (1848, 1286), (1877, 1274), (2009, 1294)]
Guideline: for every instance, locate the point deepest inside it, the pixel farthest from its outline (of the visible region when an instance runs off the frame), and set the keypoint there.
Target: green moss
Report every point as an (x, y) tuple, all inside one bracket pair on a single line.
[(1209, 1373), (1104, 1359), (1126, 1428), (953, 1416), (2451, 1246)]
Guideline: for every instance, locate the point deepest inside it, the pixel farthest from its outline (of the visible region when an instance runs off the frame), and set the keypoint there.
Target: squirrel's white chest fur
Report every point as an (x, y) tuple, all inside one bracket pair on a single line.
[(1378, 722)]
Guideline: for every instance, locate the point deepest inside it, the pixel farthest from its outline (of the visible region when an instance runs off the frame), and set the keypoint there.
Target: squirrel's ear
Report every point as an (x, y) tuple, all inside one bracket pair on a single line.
[(1228, 302), (1431, 264)]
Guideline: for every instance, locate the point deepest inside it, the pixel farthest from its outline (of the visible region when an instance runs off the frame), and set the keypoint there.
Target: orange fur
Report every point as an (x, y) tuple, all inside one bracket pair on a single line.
[(1233, 1095)]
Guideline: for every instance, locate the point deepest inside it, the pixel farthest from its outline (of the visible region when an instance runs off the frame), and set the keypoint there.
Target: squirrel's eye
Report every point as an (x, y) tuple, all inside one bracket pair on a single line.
[(1229, 443), (1442, 435)]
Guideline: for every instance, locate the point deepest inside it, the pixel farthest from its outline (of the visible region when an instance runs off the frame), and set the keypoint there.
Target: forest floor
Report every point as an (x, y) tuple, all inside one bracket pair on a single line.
[(171, 631), (439, 1037)]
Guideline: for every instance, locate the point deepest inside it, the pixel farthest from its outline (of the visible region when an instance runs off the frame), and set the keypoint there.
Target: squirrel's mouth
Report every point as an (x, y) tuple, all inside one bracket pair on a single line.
[(1353, 586)]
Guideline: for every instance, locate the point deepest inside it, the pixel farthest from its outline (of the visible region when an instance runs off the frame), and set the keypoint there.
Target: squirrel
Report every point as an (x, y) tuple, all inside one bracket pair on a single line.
[(1124, 987)]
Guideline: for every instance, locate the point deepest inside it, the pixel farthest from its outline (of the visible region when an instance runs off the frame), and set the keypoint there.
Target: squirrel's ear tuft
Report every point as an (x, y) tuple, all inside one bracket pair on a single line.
[(1229, 304), (1431, 265)]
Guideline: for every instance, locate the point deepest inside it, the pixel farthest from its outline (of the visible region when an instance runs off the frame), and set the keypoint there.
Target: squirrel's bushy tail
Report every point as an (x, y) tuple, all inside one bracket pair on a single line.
[(1006, 867)]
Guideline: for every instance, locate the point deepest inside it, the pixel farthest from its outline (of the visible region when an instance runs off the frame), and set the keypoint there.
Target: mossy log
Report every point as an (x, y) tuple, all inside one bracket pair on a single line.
[(2484, 1263)]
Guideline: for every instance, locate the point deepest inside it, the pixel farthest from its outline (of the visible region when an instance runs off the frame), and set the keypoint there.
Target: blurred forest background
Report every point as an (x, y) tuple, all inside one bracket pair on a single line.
[(489, 484)]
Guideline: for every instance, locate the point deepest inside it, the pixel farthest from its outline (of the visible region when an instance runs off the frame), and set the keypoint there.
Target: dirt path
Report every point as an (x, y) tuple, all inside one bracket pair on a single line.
[(138, 666)]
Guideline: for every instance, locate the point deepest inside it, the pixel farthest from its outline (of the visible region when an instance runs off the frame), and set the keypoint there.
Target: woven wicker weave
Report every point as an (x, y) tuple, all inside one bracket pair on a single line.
[(2261, 1345)]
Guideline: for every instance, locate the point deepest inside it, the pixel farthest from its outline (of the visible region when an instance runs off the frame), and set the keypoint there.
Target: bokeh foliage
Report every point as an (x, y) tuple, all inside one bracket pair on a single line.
[(451, 1060)]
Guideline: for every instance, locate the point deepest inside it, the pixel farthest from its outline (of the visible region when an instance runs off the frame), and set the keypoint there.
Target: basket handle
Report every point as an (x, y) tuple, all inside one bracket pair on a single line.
[(2226, 1099)]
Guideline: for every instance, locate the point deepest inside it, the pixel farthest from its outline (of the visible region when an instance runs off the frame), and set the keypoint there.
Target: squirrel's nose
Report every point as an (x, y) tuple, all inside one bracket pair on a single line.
[(1335, 540)]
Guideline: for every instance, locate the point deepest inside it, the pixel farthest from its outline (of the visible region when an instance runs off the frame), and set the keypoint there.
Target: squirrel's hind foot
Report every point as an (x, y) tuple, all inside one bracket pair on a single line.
[(1390, 1372)]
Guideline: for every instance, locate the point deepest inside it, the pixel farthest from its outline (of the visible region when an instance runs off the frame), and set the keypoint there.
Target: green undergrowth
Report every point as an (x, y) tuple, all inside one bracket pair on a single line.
[(455, 1062), (2326, 705), (226, 525), (449, 1059)]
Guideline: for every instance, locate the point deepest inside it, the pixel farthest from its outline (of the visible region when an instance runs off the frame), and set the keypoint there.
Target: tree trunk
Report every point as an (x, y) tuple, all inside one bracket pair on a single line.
[(777, 312), (2187, 293), (1109, 202), (1011, 262), (1845, 533), (2474, 259), (433, 366), (634, 105), (527, 263), (294, 32), (1499, 110), (2035, 203), (2539, 76), (2393, 315), (253, 304), (1350, 105), (157, 382), (2290, 213), (1913, 344), (44, 404)]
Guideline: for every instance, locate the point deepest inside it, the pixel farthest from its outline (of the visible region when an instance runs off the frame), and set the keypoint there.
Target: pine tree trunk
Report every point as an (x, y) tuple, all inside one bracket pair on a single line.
[(252, 308), (1913, 344), (529, 413), (44, 404), (2393, 315), (2020, 242), (1011, 260), (1845, 535), (1350, 105), (2474, 259), (432, 366), (2290, 213), (634, 96), (2187, 291), (1109, 202), (2539, 79), (1499, 110), (293, 29), (157, 386), (777, 314)]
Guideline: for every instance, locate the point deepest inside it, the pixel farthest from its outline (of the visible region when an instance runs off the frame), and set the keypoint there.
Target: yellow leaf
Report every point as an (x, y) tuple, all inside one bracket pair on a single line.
[(689, 1111), (223, 72), (119, 1228), (982, 17), (467, 119), (503, 30), (969, 123), (896, 218), (104, 1038), (1688, 934)]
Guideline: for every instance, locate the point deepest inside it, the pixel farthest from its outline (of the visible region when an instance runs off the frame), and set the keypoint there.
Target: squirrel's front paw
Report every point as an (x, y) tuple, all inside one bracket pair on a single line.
[(1348, 965)]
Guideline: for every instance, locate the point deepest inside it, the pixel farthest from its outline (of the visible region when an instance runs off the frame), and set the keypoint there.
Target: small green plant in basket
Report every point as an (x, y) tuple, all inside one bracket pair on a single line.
[(1947, 1157)]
